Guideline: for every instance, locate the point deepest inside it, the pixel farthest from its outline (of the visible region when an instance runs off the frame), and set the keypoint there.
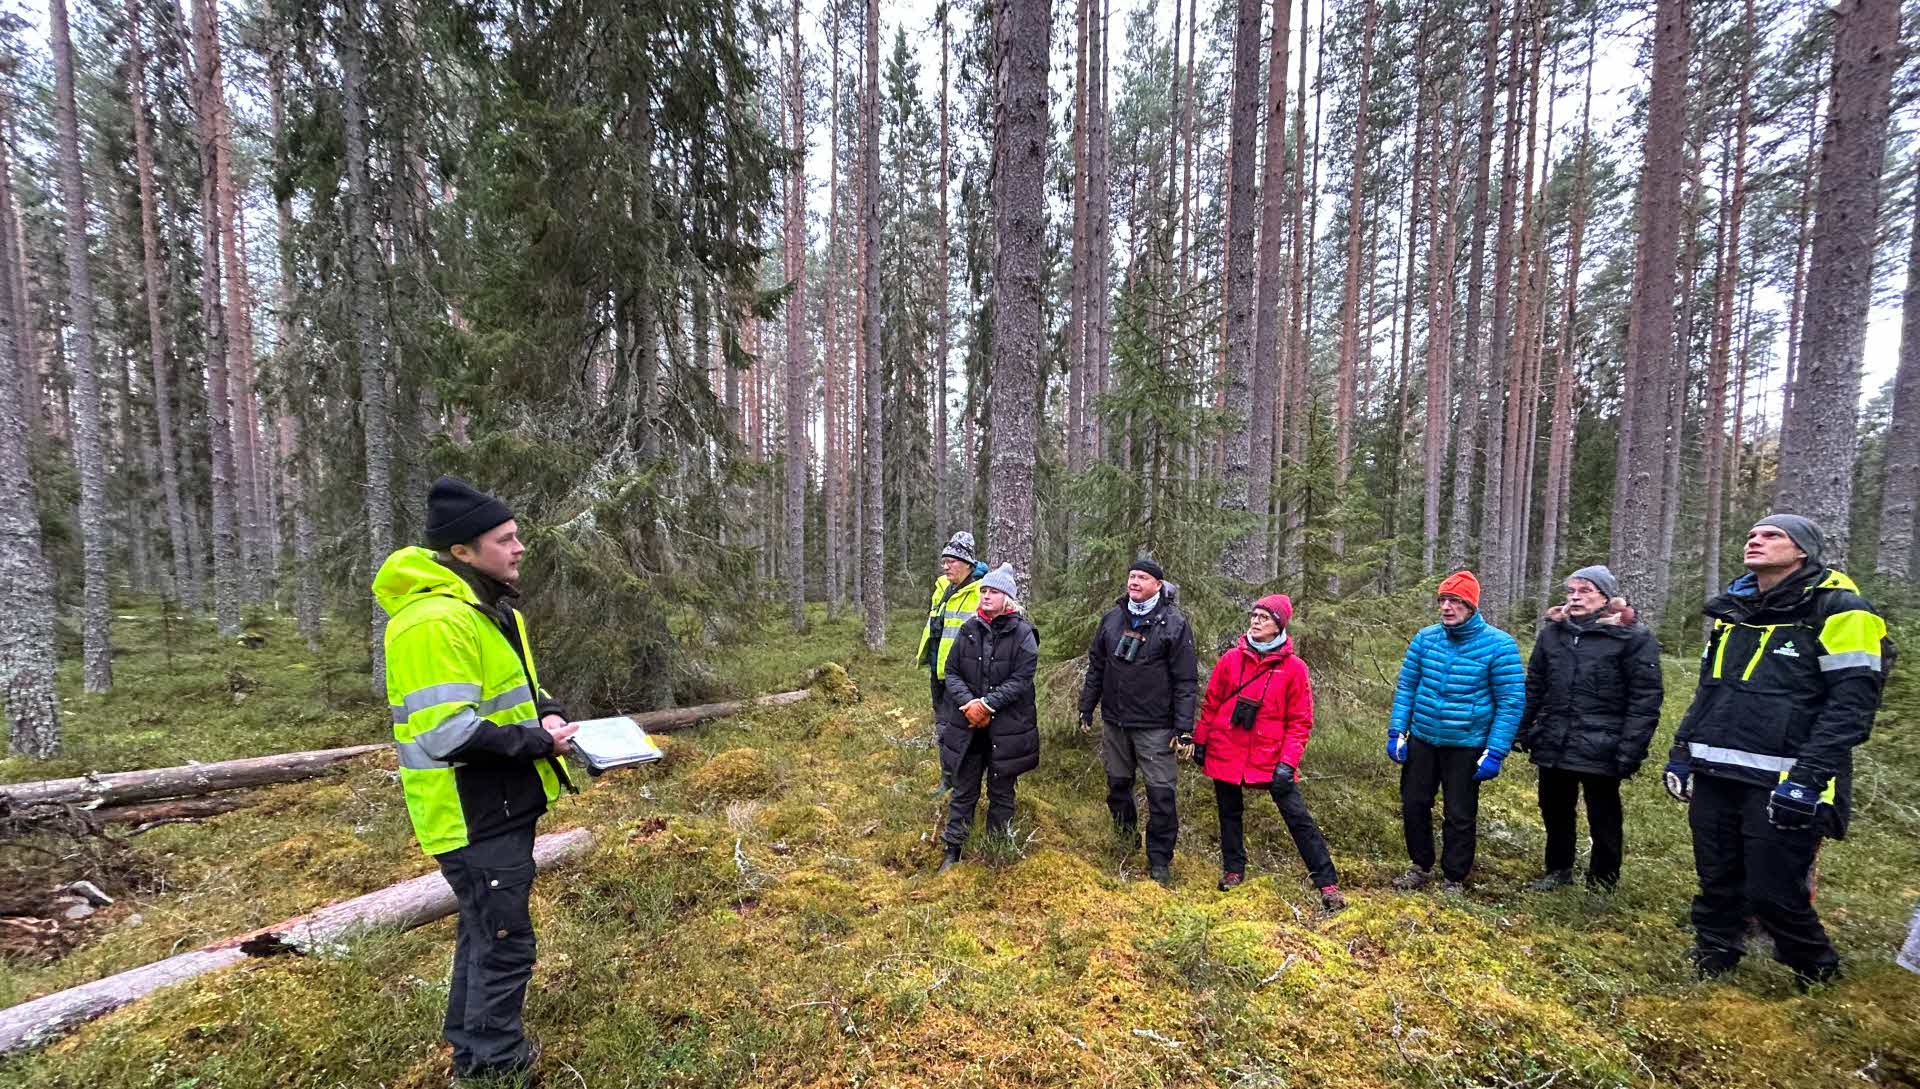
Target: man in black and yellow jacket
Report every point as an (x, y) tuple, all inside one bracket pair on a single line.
[(479, 742), (1789, 683)]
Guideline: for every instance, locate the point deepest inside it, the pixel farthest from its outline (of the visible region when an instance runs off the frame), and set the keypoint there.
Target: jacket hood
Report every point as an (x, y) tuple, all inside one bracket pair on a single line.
[(1743, 598), (1617, 618), (413, 573)]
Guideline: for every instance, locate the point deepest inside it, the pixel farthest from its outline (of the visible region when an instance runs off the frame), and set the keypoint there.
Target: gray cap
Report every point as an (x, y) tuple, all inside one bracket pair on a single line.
[(1800, 530), (960, 547), (1601, 578), (1001, 579)]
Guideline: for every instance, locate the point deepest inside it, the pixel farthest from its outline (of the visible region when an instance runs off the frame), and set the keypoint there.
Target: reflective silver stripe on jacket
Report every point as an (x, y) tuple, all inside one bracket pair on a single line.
[(434, 695), (414, 758), (513, 697), (454, 731), (1739, 758), (1850, 659)]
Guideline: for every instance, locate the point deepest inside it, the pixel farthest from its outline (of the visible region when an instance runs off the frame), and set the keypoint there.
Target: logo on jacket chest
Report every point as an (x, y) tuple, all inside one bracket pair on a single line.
[(1787, 650)]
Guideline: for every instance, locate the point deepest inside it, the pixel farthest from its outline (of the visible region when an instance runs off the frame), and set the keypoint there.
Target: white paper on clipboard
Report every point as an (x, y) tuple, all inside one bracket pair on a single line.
[(614, 742)]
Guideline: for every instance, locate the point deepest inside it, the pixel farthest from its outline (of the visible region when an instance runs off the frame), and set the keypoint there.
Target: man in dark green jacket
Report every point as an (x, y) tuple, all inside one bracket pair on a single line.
[(1789, 683)]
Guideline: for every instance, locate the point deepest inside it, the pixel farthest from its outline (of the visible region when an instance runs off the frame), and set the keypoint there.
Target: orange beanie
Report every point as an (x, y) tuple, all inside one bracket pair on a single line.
[(1463, 585)]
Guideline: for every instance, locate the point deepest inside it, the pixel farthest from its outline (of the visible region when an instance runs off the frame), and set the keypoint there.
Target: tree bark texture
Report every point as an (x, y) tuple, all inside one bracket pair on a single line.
[(27, 665), (873, 574), (1243, 386), (88, 447), (1022, 34), (185, 589), (362, 264), (226, 558), (1902, 477), (798, 355), (1820, 436), (1650, 356)]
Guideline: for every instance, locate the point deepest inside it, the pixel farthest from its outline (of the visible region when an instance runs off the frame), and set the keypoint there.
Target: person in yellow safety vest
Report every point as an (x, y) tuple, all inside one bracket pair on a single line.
[(956, 595), (478, 743)]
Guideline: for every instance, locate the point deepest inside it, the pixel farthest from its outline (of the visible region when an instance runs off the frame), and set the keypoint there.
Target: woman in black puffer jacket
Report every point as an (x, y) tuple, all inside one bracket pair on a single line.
[(993, 726), (1593, 701)]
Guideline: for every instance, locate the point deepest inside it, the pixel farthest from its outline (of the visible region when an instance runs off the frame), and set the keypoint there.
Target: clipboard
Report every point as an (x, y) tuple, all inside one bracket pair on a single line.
[(619, 742)]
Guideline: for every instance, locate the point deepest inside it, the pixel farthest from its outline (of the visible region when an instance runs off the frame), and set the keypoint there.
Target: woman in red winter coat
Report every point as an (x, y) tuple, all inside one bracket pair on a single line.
[(1252, 728)]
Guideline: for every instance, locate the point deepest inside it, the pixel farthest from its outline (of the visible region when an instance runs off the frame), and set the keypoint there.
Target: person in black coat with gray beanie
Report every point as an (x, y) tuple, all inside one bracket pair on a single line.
[(1593, 701), (993, 725)]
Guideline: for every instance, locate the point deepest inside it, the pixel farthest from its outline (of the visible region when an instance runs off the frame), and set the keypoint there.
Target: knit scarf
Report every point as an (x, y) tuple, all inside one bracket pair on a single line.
[(1142, 608), (1270, 645)]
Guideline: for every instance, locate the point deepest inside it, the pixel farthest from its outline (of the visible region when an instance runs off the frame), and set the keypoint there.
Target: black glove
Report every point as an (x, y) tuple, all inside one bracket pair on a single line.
[(1792, 805), (1086, 722), (1283, 779), (1200, 755)]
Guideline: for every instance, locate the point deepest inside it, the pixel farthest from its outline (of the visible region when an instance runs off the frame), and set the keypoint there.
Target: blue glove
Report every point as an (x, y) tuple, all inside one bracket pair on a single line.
[(1793, 805), (1678, 777), (1396, 746), (1490, 762)]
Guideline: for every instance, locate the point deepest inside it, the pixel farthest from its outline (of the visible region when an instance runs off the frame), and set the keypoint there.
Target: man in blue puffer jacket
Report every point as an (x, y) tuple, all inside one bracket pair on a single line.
[(1459, 700)]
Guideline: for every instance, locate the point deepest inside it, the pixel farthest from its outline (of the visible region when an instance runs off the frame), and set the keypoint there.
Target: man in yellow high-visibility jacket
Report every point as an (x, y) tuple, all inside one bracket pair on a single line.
[(956, 596), (478, 741)]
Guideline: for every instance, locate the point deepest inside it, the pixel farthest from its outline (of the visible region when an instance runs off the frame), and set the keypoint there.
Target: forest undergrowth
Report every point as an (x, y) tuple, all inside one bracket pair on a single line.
[(761, 908)]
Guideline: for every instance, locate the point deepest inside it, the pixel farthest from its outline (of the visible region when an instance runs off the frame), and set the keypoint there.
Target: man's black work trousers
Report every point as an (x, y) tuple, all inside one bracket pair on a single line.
[(493, 955), (1559, 792), (1749, 867)]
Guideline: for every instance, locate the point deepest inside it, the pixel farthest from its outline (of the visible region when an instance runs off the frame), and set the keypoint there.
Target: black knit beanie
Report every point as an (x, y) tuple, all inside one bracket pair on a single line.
[(1149, 567), (457, 512)]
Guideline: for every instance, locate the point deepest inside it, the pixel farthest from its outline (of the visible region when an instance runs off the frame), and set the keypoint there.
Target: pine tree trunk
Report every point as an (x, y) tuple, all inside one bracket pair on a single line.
[(797, 354), (1902, 476), (1242, 386), (221, 502), (1820, 437), (1493, 523), (943, 515), (1460, 526), (1803, 236), (361, 263), (1651, 309), (13, 256), (89, 450), (27, 665), (873, 573), (1099, 336), (1078, 355), (1560, 429), (295, 469), (1715, 423), (1439, 357), (1267, 386), (833, 398), (184, 587), (1022, 30)]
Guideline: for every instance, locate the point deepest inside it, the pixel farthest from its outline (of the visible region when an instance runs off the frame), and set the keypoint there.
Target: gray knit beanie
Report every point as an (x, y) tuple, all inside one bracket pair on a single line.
[(1802, 531), (1001, 579), (1601, 578)]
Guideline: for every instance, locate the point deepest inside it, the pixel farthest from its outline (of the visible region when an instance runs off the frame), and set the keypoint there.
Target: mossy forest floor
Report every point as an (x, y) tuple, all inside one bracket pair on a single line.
[(761, 909)]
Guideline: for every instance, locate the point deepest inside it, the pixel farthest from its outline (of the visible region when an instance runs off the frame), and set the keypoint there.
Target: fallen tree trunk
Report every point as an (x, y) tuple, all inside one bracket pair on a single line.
[(405, 905), (174, 809), (679, 718), (120, 787)]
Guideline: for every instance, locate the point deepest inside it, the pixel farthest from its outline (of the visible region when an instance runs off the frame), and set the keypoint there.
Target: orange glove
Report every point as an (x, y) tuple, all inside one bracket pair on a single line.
[(977, 712)]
